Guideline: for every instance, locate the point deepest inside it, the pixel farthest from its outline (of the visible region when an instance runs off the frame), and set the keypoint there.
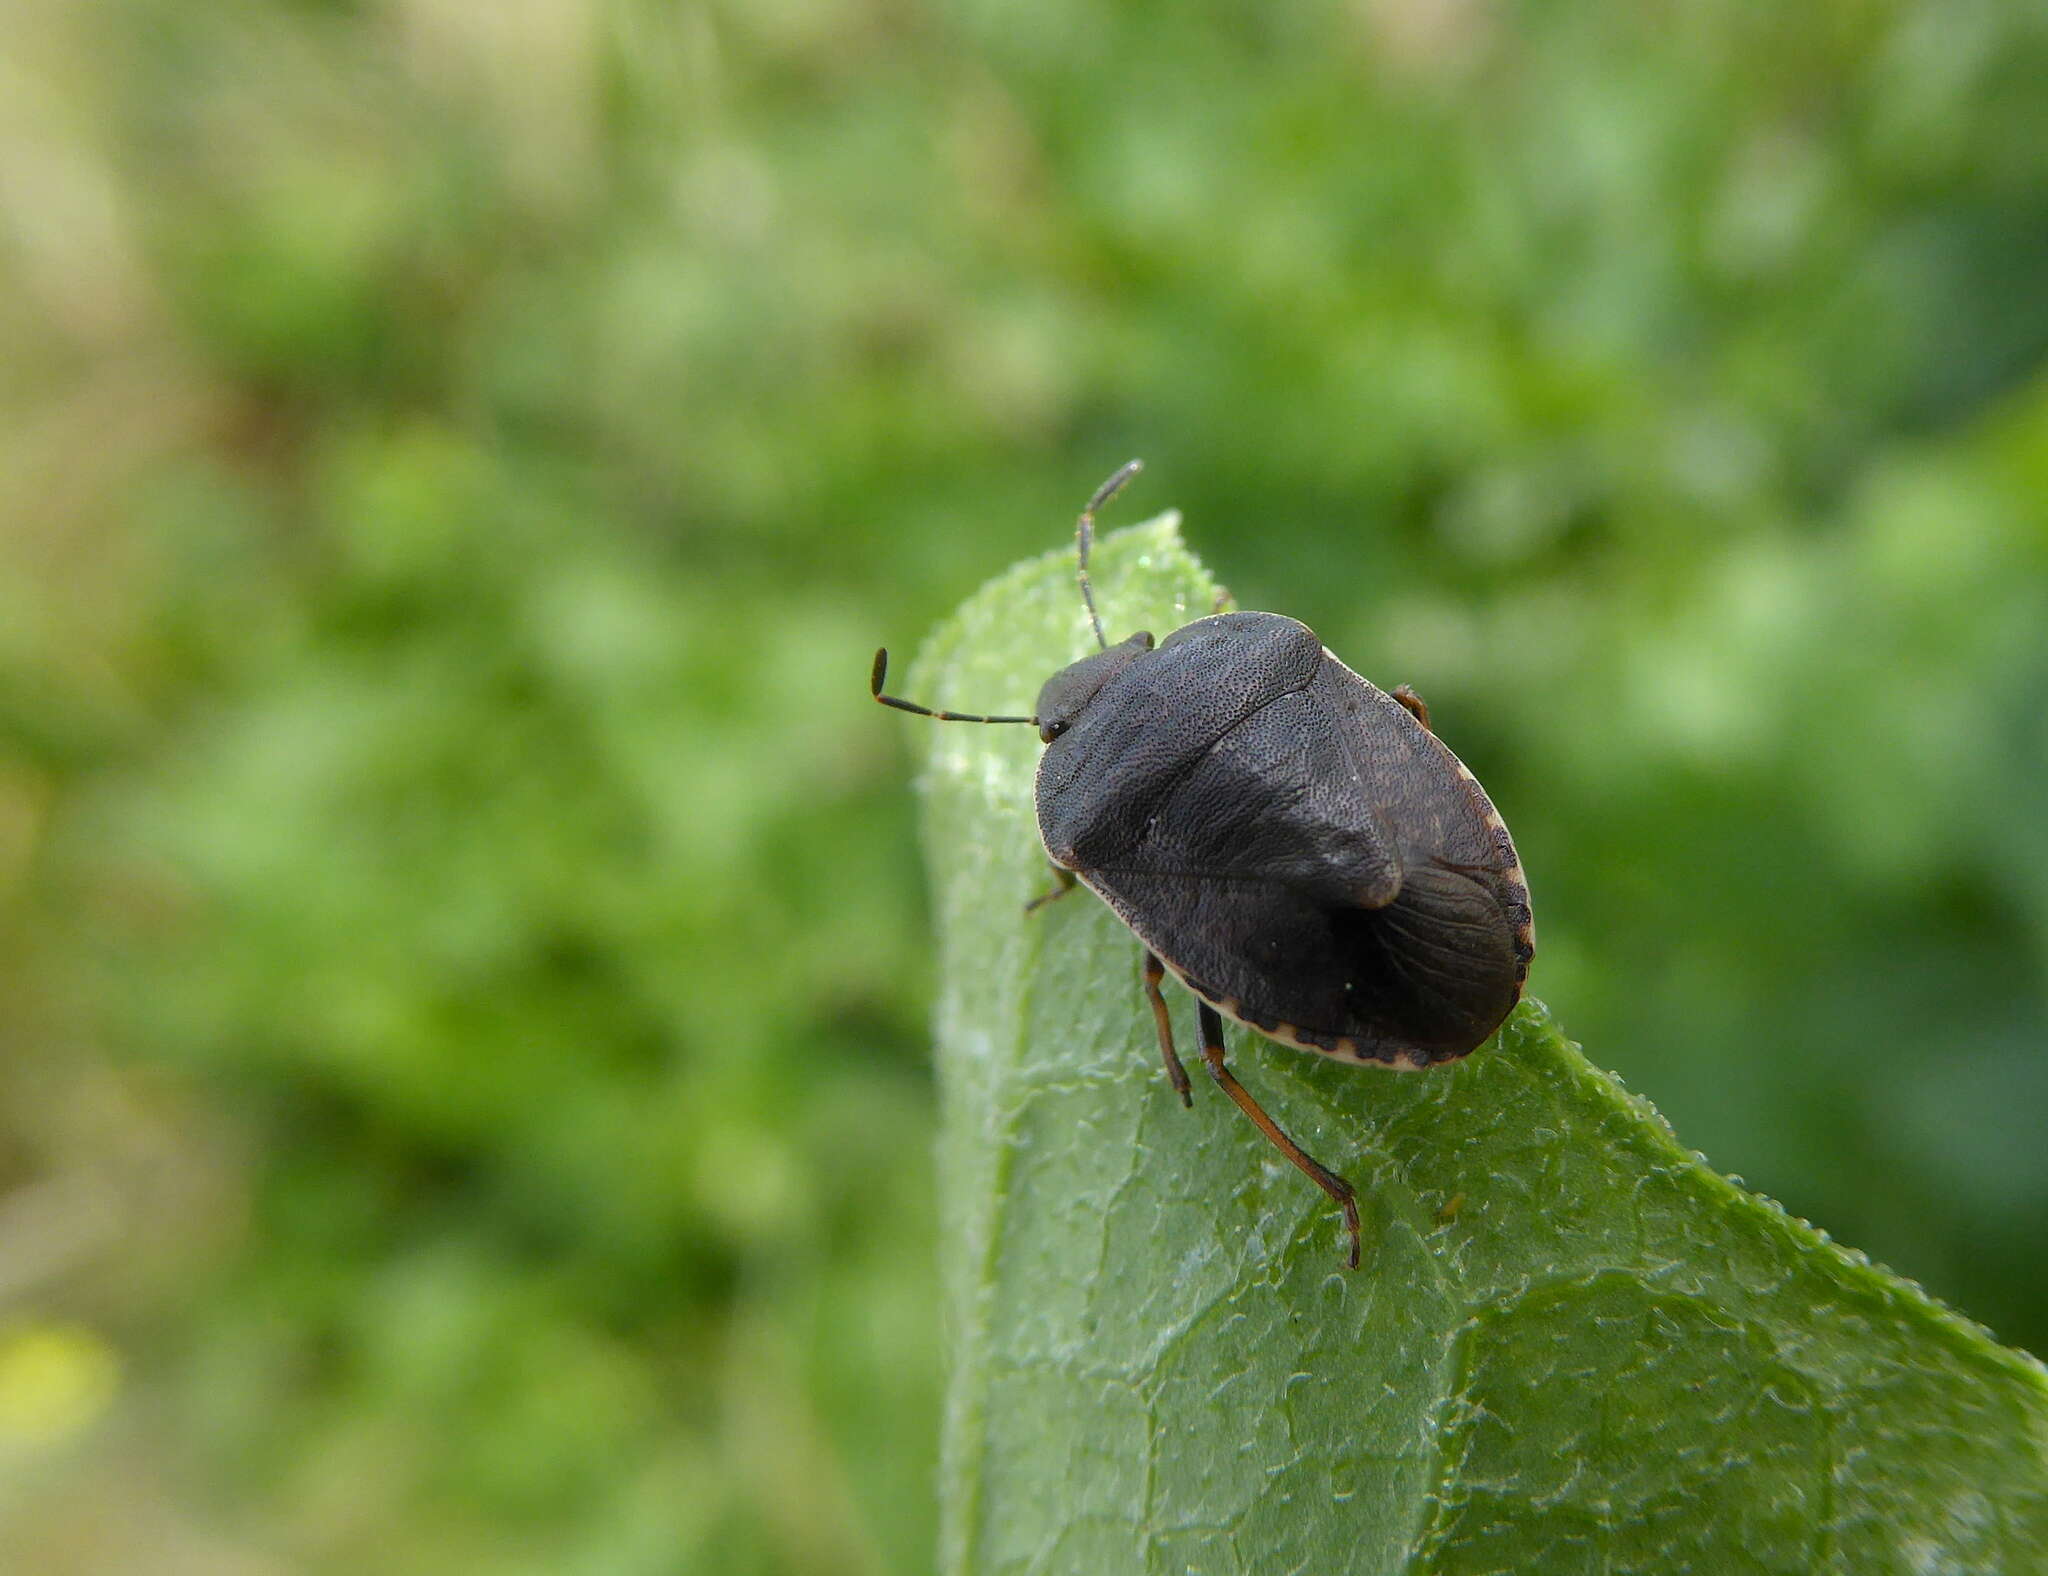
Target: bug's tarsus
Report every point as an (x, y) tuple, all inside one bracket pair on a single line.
[(1062, 884), (881, 673), (1177, 1075), (1085, 532), (1314, 1169)]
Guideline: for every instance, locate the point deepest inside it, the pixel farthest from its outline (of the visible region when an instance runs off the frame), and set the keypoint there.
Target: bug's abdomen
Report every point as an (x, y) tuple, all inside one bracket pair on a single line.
[(1435, 970), (1425, 978)]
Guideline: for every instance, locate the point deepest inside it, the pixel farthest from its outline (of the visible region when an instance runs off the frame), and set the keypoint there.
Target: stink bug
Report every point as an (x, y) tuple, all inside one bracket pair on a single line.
[(1295, 845)]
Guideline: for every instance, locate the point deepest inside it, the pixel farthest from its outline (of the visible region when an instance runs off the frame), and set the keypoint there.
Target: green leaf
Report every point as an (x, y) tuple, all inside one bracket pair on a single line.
[(1572, 1346)]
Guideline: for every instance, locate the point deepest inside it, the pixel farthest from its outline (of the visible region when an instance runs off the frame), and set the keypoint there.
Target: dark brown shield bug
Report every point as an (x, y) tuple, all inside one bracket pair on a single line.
[(1295, 845)]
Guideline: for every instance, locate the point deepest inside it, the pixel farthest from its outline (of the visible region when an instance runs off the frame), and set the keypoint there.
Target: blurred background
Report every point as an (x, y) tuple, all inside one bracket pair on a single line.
[(464, 1102)]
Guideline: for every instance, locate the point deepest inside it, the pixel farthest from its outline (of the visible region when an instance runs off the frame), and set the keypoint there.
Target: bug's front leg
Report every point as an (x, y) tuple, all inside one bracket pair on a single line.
[(1314, 1169), (1062, 884), (1177, 1075)]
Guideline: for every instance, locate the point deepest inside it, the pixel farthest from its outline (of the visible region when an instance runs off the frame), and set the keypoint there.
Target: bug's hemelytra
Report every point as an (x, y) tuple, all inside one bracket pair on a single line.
[(1295, 845)]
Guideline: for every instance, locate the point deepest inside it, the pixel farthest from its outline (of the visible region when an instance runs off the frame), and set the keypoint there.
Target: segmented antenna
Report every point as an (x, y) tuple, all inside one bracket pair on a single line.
[(1086, 533), (881, 672)]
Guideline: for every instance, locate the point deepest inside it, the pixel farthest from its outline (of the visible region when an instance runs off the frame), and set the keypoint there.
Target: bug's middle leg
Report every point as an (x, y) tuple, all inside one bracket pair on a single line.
[(1177, 1075), (1314, 1169)]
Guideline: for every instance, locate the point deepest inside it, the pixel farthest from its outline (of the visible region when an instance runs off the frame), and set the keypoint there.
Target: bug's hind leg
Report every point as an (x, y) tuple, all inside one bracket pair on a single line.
[(1063, 883), (1314, 1169), (1406, 695), (1177, 1075)]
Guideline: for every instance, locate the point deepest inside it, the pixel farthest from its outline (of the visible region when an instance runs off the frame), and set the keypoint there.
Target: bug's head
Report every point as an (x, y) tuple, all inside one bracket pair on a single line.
[(1073, 689)]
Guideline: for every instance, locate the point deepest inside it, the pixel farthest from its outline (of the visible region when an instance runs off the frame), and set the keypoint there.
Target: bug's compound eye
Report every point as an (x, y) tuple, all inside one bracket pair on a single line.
[(1072, 690)]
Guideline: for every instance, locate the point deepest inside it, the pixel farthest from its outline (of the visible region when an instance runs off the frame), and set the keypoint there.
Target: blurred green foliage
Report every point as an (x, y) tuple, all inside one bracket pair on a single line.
[(463, 1100)]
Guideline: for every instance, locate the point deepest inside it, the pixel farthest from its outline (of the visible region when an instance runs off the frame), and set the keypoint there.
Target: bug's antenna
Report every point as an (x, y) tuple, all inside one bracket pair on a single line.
[(1086, 532), (881, 672)]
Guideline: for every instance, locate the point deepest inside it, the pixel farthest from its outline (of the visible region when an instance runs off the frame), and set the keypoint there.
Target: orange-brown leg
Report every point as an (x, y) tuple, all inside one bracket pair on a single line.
[(1314, 1169), (1177, 1075), (1415, 703), (1063, 883)]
